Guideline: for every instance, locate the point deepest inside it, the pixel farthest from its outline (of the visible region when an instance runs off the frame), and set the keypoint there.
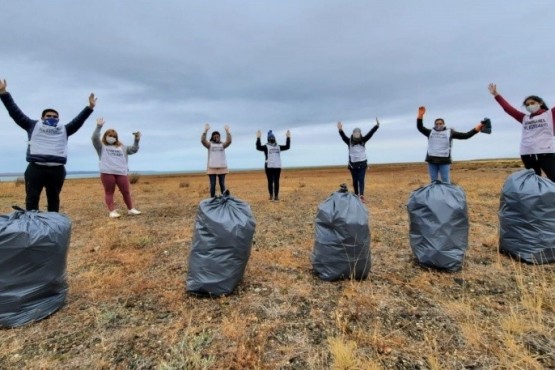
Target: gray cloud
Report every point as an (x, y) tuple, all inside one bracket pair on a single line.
[(167, 68)]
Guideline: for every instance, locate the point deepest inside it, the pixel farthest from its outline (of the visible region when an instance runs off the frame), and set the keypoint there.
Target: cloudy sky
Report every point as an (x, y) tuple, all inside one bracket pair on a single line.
[(167, 67)]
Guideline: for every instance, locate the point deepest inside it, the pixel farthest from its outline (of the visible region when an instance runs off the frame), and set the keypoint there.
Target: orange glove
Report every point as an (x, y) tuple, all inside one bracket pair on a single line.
[(421, 111)]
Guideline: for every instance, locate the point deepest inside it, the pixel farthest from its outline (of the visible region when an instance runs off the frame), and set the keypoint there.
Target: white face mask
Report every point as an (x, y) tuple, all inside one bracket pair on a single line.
[(533, 108), (111, 140)]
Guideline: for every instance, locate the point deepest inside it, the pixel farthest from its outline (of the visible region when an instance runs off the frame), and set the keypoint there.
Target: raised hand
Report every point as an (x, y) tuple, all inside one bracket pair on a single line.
[(421, 111), (493, 89), (226, 128), (479, 127), (206, 127), (137, 135), (288, 134), (258, 134), (92, 101), (377, 122), (339, 125), (3, 86), (100, 121)]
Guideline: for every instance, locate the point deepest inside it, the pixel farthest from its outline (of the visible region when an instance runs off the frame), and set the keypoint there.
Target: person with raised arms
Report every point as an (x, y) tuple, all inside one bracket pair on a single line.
[(113, 156), (217, 163), (46, 149), (272, 164), (440, 138), (358, 162), (537, 150)]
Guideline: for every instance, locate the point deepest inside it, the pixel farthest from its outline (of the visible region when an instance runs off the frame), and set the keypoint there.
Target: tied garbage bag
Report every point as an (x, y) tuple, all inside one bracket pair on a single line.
[(438, 218), (33, 255), (342, 246), (527, 218), (222, 241)]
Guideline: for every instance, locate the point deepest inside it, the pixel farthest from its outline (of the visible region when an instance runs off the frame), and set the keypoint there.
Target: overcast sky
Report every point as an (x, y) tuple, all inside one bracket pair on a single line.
[(167, 67)]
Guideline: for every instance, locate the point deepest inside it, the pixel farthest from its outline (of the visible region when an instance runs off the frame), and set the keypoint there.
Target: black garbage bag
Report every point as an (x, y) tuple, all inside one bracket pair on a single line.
[(33, 256), (527, 218), (222, 241), (487, 126), (438, 226), (342, 246)]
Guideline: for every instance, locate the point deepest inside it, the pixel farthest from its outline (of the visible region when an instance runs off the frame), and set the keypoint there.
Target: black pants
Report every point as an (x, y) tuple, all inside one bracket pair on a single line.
[(49, 177), (221, 179), (358, 175), (539, 162), (272, 174)]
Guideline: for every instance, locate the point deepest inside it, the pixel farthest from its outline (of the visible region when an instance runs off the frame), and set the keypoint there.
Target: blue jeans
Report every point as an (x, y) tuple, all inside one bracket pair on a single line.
[(442, 169), (221, 180)]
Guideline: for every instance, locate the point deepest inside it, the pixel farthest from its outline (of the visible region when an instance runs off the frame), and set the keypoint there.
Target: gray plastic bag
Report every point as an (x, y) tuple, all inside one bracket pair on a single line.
[(527, 218), (438, 226), (222, 241), (342, 246), (33, 255)]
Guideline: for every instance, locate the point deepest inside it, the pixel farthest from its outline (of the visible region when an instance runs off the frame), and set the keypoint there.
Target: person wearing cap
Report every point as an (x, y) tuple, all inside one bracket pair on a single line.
[(217, 163), (537, 150), (272, 165), (440, 137), (113, 156), (46, 150), (358, 162)]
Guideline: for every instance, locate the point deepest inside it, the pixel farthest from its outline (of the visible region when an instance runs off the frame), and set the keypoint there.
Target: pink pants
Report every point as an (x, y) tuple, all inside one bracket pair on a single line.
[(109, 182)]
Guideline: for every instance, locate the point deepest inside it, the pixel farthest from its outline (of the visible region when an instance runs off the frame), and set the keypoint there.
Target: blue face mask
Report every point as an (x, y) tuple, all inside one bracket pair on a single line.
[(51, 122)]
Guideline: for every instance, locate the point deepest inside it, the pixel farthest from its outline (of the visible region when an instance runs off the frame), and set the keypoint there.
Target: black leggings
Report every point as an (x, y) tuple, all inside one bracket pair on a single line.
[(38, 177), (272, 174), (221, 179), (539, 162), (358, 175)]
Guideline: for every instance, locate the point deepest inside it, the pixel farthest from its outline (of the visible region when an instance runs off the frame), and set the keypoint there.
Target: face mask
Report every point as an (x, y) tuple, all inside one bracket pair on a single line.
[(51, 122), (439, 127), (272, 141), (111, 140), (356, 135), (533, 108)]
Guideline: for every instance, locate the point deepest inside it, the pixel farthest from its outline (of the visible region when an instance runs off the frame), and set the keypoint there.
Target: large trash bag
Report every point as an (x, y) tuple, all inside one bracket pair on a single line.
[(527, 218), (222, 241), (342, 246), (438, 226), (33, 255)]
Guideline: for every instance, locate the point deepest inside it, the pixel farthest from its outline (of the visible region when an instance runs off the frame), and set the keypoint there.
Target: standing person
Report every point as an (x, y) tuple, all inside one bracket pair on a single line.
[(536, 143), (46, 151), (272, 165), (217, 163), (357, 155), (113, 157), (440, 137)]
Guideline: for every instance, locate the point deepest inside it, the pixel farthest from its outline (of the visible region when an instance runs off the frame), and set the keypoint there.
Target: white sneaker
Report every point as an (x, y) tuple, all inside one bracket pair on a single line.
[(133, 212), (114, 214)]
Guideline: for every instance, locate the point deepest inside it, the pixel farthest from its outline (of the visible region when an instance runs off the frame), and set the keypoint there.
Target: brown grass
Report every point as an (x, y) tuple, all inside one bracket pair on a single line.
[(127, 307)]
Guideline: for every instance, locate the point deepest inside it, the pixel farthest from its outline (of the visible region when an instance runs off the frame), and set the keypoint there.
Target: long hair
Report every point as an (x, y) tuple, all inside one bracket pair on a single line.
[(113, 133), (536, 99)]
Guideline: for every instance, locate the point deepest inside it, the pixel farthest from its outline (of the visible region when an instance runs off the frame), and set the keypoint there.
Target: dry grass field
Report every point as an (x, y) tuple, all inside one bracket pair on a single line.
[(127, 307)]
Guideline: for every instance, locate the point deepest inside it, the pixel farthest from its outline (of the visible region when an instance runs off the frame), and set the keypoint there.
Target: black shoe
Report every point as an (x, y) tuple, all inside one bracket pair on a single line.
[(226, 193)]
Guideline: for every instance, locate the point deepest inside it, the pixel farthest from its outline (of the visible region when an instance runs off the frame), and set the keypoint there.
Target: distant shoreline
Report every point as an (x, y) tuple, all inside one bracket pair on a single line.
[(12, 176)]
